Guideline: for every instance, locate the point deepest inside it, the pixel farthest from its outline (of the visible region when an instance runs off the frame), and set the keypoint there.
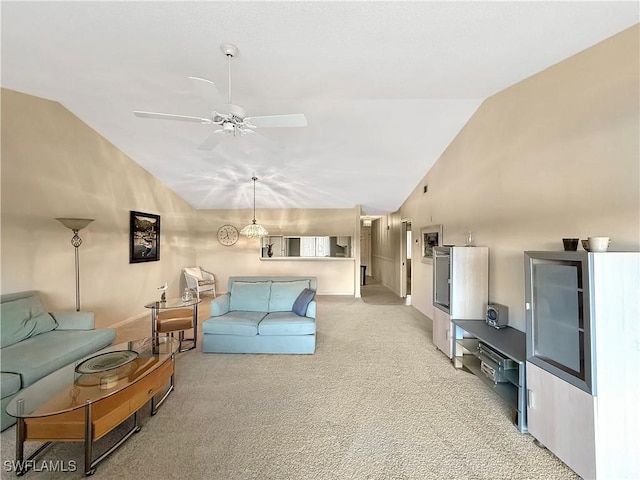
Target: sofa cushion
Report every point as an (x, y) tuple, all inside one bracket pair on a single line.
[(22, 319), (74, 320), (10, 384), (38, 356), (302, 302), (283, 294), (273, 344), (286, 323), (234, 323), (250, 296)]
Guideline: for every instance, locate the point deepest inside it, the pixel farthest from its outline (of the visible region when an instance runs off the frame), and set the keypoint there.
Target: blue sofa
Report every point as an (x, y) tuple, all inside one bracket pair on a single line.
[(35, 343), (256, 316)]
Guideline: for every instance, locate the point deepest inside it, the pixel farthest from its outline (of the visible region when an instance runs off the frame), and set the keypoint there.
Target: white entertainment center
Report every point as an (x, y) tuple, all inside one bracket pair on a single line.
[(572, 379), (591, 424), (460, 290)]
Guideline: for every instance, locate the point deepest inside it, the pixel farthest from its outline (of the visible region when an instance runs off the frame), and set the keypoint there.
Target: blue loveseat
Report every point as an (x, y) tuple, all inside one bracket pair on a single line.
[(35, 343), (257, 315)]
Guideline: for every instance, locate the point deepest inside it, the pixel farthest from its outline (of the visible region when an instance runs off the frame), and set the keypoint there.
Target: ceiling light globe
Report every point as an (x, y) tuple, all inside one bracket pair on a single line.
[(254, 230)]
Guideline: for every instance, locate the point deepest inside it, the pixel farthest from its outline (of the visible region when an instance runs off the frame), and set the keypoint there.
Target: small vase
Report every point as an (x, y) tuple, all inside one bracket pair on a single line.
[(470, 241)]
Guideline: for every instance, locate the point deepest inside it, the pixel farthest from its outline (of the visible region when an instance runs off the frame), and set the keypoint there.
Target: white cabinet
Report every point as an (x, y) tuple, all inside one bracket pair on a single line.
[(595, 429), (344, 241), (442, 332), (460, 290), (561, 417)]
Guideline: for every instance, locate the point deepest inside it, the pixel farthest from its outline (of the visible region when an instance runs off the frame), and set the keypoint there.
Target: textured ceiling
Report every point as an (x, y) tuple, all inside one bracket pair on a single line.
[(385, 86)]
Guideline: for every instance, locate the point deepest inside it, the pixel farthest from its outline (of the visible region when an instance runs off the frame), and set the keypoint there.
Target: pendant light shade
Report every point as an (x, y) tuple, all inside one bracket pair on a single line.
[(254, 230)]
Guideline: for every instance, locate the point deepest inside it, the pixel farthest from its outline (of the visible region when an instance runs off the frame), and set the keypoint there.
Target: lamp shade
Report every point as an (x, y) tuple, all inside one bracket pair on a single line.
[(254, 230), (75, 223)]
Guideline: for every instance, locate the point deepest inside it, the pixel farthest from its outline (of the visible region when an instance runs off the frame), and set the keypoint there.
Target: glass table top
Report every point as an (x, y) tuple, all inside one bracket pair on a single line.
[(66, 389), (173, 303)]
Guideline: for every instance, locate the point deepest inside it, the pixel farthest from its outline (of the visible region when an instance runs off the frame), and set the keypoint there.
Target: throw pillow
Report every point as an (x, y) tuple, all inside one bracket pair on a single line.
[(303, 301), (24, 318), (194, 272)]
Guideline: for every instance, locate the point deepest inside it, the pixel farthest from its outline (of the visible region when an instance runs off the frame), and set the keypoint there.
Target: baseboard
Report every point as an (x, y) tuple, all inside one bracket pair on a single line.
[(129, 320)]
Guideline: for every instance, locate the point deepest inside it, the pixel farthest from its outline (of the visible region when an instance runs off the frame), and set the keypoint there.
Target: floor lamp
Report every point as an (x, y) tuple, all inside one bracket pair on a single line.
[(76, 224)]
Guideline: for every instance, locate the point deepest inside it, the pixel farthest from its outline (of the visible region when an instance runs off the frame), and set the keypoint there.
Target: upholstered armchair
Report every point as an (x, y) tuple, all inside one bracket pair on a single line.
[(200, 281)]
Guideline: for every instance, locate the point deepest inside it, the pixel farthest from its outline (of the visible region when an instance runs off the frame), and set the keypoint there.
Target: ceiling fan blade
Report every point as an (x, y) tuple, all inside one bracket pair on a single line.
[(211, 141), (171, 116), (263, 142), (208, 91), (290, 120)]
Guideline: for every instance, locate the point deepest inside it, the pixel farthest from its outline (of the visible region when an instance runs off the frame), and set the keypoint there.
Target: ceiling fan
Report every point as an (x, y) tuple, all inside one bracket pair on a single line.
[(233, 123)]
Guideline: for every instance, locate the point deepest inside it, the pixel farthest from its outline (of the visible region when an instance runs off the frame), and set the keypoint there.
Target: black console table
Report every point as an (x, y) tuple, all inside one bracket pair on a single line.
[(508, 342)]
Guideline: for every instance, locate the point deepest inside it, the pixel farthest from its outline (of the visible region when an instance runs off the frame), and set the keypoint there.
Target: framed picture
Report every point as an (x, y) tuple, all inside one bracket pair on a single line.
[(144, 237), (430, 237)]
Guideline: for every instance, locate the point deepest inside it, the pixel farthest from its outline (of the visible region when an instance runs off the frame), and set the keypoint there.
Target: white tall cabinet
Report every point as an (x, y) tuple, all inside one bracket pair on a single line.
[(461, 290), (597, 433)]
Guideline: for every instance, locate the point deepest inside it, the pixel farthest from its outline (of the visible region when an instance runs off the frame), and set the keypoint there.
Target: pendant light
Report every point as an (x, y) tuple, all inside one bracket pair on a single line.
[(254, 230)]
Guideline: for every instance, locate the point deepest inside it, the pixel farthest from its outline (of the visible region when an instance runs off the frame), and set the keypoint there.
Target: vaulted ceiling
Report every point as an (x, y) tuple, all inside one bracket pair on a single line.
[(385, 86)]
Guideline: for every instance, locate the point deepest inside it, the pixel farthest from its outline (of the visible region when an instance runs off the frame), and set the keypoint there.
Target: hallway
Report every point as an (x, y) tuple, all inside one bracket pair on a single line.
[(374, 293)]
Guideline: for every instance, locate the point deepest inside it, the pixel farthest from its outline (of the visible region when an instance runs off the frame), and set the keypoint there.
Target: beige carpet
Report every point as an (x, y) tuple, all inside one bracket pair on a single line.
[(376, 401), (374, 293)]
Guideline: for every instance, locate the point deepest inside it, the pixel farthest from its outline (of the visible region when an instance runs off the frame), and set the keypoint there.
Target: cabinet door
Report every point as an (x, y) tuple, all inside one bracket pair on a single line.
[(442, 329), (561, 417)]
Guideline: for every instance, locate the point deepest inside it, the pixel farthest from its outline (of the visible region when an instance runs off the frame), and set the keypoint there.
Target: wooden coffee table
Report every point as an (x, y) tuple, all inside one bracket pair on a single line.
[(67, 406)]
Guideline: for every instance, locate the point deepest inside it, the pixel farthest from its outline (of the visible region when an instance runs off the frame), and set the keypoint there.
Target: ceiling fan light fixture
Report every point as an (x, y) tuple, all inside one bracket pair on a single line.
[(235, 123), (254, 230)]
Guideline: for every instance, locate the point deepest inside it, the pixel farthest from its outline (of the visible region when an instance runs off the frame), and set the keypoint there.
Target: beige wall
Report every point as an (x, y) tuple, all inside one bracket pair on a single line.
[(335, 276), (53, 165), (553, 156)]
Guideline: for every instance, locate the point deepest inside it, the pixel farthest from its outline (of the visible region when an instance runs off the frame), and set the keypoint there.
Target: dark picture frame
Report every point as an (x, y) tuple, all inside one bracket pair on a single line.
[(430, 237), (144, 237)]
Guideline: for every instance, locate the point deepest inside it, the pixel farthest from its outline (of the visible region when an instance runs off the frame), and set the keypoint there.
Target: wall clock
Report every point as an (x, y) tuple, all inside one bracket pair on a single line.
[(227, 235)]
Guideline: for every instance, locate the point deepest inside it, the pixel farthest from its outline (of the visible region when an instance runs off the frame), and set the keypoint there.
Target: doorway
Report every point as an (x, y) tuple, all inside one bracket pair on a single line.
[(405, 261), (365, 253)]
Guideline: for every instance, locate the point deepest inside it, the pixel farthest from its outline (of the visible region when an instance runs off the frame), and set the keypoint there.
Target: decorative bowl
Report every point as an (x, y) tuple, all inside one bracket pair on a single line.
[(570, 244), (599, 244)]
